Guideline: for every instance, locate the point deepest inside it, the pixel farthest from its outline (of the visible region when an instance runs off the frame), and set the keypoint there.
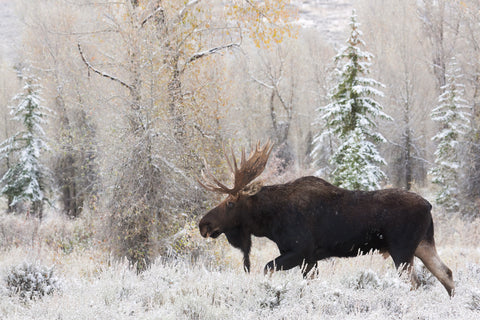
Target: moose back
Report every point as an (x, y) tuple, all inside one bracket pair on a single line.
[(310, 219)]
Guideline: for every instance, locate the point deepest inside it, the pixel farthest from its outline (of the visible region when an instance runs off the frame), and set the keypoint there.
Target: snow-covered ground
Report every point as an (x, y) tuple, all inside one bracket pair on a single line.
[(360, 288)]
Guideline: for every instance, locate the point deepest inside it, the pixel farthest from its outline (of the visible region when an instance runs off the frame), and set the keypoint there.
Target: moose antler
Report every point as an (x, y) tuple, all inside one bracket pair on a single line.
[(248, 171)]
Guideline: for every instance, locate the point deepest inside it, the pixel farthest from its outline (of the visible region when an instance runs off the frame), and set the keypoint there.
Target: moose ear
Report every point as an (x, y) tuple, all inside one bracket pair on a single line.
[(252, 188)]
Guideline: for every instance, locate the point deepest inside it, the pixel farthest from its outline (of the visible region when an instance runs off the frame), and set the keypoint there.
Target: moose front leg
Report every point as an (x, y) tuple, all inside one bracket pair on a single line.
[(285, 261), (246, 261)]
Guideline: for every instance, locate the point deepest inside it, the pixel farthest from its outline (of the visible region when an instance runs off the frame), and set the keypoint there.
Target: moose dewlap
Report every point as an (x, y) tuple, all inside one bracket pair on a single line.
[(310, 219)]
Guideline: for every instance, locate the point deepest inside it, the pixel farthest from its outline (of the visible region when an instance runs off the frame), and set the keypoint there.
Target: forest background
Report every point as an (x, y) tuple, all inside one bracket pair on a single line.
[(141, 92)]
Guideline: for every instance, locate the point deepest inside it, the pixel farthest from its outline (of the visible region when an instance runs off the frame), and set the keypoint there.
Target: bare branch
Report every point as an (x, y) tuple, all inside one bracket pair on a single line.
[(260, 82), (81, 33), (158, 10), (103, 74), (208, 52), (203, 133)]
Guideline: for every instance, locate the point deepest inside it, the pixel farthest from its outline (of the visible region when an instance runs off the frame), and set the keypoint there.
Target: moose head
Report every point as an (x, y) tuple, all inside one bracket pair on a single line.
[(232, 214), (228, 214)]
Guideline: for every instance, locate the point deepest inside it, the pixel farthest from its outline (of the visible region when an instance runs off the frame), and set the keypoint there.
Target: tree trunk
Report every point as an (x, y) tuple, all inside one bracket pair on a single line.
[(37, 209), (408, 160), (176, 101)]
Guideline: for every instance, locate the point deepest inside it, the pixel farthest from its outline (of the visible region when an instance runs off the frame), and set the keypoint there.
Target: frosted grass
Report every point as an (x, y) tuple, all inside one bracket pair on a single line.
[(359, 288), (214, 286)]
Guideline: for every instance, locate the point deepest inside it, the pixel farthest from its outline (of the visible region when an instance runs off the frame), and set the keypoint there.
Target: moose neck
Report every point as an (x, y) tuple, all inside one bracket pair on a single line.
[(256, 217)]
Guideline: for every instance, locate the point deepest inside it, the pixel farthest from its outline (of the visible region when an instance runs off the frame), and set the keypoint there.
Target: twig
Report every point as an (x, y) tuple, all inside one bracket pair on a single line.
[(159, 9)]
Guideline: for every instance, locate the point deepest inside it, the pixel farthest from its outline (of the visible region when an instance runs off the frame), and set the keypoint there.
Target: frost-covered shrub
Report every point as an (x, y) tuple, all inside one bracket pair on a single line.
[(364, 280), (273, 295), (368, 279), (474, 302), (187, 242), (425, 277), (31, 281)]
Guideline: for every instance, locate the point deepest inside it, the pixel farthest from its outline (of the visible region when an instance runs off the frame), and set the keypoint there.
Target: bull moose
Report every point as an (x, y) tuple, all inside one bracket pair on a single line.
[(310, 219)]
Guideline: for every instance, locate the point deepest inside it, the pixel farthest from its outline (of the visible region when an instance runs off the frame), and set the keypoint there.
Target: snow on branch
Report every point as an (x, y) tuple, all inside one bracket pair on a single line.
[(188, 5), (103, 74), (9, 145), (208, 52), (260, 82)]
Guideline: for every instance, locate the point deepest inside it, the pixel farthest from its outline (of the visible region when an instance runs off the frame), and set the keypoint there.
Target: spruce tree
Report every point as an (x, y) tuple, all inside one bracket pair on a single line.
[(452, 114), (350, 118), (25, 179)]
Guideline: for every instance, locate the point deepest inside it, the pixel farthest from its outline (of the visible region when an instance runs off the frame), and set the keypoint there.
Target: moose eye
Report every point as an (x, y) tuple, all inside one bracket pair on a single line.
[(230, 204)]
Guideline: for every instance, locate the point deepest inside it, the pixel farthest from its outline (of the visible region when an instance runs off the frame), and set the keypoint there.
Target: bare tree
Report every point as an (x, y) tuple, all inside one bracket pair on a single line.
[(469, 57), (409, 86), (277, 78), (157, 62), (51, 37), (8, 85), (441, 22)]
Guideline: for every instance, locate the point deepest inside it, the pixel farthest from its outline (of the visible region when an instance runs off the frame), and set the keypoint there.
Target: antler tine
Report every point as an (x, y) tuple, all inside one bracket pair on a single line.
[(249, 169), (268, 146), (218, 183), (243, 158), (234, 162), (252, 167), (206, 185), (211, 183)]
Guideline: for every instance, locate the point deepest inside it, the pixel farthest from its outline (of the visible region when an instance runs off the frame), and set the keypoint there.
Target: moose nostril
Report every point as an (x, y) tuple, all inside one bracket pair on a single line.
[(204, 228)]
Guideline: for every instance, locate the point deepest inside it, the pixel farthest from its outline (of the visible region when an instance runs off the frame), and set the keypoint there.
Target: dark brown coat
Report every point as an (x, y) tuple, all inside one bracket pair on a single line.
[(309, 219)]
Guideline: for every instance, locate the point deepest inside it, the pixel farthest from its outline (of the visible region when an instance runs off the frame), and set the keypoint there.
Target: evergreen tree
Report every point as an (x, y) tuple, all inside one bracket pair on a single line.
[(452, 114), (25, 179), (357, 162), (350, 118)]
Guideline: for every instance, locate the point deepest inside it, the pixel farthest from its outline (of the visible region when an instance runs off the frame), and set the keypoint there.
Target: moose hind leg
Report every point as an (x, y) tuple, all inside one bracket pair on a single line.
[(307, 267), (404, 263), (284, 262), (427, 252)]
